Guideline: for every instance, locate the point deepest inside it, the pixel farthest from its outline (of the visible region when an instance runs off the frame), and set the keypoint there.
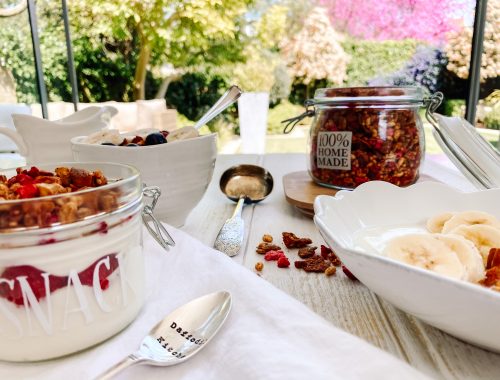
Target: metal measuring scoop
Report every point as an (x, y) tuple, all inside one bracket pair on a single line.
[(180, 335), (242, 184)]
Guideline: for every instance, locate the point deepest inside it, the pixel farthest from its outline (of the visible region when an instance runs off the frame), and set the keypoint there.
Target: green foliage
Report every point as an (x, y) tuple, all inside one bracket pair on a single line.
[(257, 73), (492, 119), (370, 59), (195, 93), (108, 38), (282, 111), (272, 26), (454, 107)]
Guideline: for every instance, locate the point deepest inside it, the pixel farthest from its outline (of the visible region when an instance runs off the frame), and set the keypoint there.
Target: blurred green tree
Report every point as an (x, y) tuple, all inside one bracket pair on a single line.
[(117, 43)]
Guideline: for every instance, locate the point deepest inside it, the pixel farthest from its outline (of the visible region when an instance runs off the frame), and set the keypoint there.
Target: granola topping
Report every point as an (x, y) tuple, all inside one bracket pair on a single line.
[(34, 183)]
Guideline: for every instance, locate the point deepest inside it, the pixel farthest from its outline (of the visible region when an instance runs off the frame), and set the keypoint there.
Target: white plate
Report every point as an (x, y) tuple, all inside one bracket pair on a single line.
[(379, 209)]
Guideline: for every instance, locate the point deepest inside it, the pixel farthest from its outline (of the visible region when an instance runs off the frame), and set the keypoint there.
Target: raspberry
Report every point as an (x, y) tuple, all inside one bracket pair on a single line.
[(87, 275), (34, 279), (27, 191), (21, 178), (37, 282), (273, 255), (283, 262)]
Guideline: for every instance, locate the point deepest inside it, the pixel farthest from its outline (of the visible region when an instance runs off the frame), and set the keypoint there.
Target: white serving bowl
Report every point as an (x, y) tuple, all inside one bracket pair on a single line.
[(465, 310), (182, 169)]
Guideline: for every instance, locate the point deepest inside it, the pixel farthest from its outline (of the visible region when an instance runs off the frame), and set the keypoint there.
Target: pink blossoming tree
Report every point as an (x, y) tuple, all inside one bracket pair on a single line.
[(424, 20)]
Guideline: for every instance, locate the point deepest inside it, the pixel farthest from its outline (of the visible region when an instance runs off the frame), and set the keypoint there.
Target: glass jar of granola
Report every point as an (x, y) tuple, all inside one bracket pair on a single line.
[(362, 134)]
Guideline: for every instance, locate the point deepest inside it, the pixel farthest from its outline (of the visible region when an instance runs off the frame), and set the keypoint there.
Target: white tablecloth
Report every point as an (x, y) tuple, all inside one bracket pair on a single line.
[(268, 334)]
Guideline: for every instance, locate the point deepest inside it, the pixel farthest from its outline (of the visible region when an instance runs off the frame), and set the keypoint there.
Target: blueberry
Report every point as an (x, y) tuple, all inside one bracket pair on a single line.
[(155, 138), (108, 143), (132, 144)]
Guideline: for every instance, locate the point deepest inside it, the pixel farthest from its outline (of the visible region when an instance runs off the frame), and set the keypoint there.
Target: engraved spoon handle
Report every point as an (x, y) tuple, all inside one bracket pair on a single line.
[(126, 362)]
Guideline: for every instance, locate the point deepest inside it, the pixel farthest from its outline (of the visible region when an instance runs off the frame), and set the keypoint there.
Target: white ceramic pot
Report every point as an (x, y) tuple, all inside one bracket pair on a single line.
[(182, 169), (43, 141)]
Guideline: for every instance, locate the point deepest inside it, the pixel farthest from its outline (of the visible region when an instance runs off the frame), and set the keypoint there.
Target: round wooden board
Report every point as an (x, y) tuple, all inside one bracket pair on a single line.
[(301, 190)]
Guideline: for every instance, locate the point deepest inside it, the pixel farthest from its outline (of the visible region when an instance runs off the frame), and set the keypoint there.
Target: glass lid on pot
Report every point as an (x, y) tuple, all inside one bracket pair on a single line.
[(56, 195), (369, 96)]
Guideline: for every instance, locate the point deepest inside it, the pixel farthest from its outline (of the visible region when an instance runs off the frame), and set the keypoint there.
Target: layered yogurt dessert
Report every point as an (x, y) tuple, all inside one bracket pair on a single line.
[(67, 284)]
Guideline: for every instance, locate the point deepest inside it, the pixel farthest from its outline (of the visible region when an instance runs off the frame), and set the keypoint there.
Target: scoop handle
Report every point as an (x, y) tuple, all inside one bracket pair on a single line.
[(126, 362)]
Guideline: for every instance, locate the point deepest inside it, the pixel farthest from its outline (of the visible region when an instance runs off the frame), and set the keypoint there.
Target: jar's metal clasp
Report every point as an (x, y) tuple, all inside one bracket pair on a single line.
[(431, 105), (155, 228), (293, 121)]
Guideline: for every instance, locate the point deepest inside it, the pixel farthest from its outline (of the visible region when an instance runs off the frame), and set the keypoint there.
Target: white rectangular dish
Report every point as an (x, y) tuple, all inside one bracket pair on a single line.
[(381, 210)]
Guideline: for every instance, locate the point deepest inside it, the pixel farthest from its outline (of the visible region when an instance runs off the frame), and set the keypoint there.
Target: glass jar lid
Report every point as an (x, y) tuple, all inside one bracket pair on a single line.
[(369, 96)]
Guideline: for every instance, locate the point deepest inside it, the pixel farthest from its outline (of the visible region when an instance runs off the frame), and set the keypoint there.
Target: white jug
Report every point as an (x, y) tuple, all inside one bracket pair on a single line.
[(44, 141)]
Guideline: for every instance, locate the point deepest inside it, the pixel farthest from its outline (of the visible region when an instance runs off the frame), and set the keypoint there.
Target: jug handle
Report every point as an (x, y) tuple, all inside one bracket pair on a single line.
[(16, 137)]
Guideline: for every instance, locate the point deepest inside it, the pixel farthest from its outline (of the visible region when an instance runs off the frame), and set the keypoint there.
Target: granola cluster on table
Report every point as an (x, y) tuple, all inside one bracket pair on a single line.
[(326, 262), (35, 183)]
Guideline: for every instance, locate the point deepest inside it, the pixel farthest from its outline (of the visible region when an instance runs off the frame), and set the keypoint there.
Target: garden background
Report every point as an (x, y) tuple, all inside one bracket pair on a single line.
[(189, 52)]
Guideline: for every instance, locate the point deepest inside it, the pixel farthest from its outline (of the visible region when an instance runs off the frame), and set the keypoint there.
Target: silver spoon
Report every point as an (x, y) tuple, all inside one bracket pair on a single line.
[(228, 98), (242, 184), (180, 335)]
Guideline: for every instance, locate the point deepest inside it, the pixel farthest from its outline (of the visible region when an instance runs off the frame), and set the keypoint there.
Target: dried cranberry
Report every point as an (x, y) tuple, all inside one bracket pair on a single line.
[(33, 172), (348, 273), (325, 251)]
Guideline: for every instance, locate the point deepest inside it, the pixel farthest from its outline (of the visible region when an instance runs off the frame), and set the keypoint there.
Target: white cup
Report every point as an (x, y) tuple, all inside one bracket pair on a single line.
[(252, 110)]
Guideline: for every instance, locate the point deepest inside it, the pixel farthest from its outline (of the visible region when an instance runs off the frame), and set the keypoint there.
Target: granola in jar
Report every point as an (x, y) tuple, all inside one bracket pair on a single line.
[(56, 197), (364, 134)]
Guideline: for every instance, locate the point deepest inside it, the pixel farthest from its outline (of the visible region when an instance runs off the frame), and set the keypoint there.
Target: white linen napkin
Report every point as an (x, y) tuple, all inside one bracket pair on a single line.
[(268, 334)]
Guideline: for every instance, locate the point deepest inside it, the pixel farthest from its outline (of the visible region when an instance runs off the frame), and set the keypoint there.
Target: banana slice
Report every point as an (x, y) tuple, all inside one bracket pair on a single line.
[(483, 236), (467, 253), (426, 251), (436, 223), (105, 136), (470, 218), (182, 134)]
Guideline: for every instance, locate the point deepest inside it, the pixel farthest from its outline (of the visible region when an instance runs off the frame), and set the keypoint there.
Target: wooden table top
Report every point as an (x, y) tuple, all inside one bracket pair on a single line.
[(346, 304)]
